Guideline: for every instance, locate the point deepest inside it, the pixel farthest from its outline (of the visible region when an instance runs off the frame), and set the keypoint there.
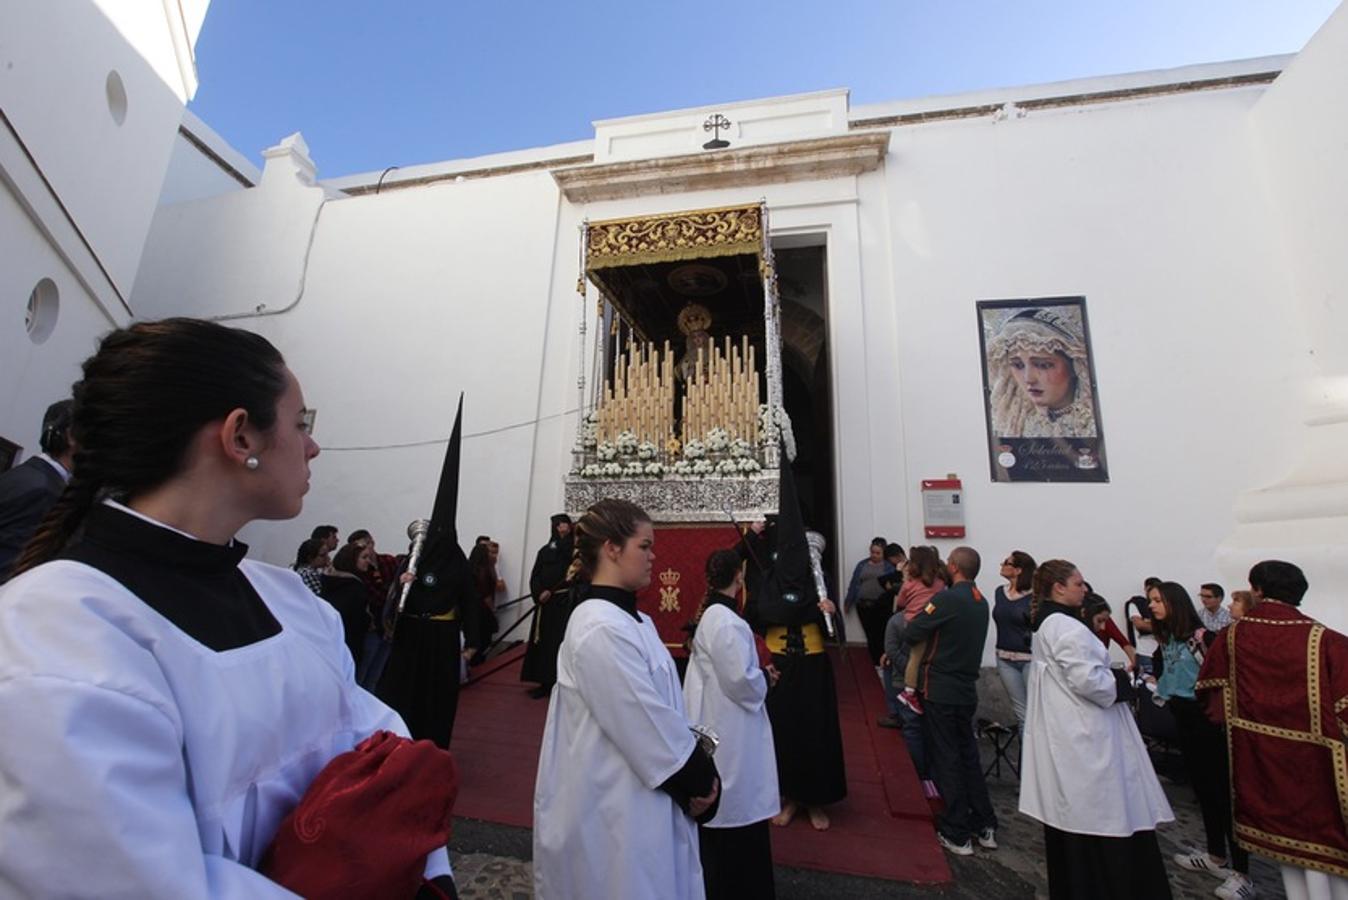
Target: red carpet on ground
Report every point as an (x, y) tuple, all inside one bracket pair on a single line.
[(882, 830)]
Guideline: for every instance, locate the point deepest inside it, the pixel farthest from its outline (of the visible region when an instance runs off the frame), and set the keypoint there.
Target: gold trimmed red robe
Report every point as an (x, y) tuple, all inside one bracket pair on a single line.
[(1281, 681)]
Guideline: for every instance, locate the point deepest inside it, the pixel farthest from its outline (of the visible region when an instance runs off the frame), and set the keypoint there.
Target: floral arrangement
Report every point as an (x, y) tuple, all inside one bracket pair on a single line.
[(626, 442), (605, 451), (694, 449), (718, 439), (589, 430), (646, 450), (740, 448), (774, 425)]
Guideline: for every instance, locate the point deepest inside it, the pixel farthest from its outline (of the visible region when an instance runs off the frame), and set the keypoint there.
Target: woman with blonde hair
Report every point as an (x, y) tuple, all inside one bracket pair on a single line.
[(1041, 377), (1085, 773)]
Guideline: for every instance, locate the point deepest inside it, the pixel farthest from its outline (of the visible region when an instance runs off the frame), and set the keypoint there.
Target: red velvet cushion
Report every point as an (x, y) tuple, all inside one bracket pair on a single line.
[(367, 823)]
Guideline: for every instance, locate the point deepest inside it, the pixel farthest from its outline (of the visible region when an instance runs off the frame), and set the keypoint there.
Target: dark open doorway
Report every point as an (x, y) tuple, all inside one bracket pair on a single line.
[(807, 384)]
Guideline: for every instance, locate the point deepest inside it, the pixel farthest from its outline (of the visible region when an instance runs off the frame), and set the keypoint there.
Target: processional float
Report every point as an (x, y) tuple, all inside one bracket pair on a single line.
[(680, 389)]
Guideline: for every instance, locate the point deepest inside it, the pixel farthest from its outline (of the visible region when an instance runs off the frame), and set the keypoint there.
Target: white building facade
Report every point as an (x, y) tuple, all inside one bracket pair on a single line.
[(1201, 212)]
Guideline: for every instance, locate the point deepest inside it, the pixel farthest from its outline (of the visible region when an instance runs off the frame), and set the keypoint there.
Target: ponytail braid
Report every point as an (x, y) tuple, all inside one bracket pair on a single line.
[(1046, 575), (60, 523)]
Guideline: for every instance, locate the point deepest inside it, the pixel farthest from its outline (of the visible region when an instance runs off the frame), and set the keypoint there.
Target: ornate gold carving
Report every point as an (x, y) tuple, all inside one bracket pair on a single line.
[(686, 235)]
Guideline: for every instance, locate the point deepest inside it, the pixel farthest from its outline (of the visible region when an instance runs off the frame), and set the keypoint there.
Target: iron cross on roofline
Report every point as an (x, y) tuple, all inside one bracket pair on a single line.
[(715, 125)]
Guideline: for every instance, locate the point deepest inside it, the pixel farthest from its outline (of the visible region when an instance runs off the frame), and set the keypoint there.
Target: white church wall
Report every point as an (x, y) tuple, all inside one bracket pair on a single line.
[(192, 173), (1300, 512), (97, 117), (90, 127), (1149, 209), (411, 297), (36, 375)]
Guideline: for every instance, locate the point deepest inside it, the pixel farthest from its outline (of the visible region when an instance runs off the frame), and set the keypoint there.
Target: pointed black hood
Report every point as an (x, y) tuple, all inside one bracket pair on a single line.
[(442, 574), (789, 596)]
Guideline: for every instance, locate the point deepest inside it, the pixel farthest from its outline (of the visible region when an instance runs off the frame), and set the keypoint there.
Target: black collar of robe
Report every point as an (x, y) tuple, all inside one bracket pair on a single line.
[(1048, 608), (197, 586), (624, 600)]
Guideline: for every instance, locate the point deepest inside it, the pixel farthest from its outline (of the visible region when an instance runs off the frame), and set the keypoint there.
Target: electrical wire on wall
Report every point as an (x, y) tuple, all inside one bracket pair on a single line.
[(431, 442)]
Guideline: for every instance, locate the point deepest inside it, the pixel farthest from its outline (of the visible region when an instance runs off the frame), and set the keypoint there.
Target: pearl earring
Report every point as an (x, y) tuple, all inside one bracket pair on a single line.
[(252, 462)]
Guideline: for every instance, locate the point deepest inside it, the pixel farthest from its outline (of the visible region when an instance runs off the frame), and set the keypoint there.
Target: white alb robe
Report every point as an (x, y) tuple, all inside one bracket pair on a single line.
[(616, 730), (724, 689), (1084, 768), (139, 763)]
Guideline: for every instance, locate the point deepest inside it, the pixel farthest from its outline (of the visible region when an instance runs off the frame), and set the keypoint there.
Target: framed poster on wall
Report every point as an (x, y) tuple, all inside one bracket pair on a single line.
[(1039, 391)]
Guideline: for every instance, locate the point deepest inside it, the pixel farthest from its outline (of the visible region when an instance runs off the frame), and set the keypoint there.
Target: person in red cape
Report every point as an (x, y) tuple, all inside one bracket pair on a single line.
[(1279, 680)]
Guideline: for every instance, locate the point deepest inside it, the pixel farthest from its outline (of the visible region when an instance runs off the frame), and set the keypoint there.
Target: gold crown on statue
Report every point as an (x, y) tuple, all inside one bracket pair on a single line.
[(669, 577), (694, 317)]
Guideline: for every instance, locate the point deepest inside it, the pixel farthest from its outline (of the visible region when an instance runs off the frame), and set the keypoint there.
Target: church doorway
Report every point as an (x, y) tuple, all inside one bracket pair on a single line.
[(807, 383)]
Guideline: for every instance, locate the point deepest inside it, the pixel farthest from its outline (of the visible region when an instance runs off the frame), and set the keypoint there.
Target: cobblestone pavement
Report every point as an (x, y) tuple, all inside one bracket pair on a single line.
[(491, 861)]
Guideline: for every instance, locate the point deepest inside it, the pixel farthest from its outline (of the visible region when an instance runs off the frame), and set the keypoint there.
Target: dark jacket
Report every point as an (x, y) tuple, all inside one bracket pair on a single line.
[(27, 491), (954, 623)]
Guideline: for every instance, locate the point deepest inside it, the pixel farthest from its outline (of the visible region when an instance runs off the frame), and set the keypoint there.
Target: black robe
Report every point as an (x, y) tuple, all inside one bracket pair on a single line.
[(549, 627), (421, 679), (350, 598)]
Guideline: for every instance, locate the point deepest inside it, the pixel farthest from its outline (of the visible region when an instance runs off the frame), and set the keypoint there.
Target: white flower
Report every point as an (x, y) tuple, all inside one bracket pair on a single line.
[(774, 425), (612, 470), (646, 450), (747, 464), (718, 439), (591, 471), (605, 451), (589, 430), (740, 447), (727, 467), (694, 449), (656, 469), (626, 442), (682, 467), (633, 468)]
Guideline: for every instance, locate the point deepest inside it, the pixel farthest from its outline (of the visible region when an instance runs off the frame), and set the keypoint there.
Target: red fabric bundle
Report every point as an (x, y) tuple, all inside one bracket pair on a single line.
[(764, 654), (367, 823)]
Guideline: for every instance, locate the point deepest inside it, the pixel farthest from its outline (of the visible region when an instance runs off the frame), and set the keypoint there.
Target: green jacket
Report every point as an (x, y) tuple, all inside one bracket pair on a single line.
[(954, 623)]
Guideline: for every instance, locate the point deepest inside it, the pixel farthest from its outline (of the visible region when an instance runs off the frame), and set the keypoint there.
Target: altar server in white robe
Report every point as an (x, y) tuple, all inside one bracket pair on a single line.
[(621, 776), (1085, 771), (725, 690), (164, 702)]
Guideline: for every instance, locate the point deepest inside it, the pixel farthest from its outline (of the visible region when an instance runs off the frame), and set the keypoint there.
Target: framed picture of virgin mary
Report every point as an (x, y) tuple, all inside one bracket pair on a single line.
[(1039, 391)]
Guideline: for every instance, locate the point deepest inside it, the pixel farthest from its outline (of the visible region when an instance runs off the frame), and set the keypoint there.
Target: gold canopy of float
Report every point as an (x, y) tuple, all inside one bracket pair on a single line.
[(681, 397)]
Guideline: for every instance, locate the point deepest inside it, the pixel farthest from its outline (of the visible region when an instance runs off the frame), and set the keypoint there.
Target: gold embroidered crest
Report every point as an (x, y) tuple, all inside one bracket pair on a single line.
[(669, 590)]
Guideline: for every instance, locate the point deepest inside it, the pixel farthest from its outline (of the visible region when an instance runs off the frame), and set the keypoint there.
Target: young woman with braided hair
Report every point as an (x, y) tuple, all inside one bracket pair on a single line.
[(1085, 773), (168, 701), (621, 776)]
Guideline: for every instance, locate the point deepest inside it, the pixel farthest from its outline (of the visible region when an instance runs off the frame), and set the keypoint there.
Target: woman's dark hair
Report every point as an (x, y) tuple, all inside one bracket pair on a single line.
[(308, 550), (360, 534), (608, 520), (345, 560), (142, 399), (894, 550), (879, 542), (1093, 606), (479, 567), (1278, 580), (1025, 563), (924, 564), (722, 567), (1046, 575), (1181, 619)]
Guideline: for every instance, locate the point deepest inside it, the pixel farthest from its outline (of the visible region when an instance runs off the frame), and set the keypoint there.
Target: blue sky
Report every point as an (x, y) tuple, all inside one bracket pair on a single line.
[(374, 84)]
